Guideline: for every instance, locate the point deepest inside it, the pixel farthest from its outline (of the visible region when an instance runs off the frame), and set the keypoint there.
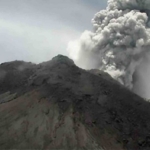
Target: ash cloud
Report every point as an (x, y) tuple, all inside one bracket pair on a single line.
[(119, 44)]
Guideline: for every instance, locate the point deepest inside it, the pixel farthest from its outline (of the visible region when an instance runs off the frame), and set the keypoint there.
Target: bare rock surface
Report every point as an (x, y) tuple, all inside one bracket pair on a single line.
[(56, 105)]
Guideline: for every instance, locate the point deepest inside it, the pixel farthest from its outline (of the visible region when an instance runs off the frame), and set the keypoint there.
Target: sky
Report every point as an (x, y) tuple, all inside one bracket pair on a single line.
[(37, 30)]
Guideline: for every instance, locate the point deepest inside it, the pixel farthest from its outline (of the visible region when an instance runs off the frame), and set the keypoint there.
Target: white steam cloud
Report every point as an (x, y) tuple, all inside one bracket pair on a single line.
[(119, 44)]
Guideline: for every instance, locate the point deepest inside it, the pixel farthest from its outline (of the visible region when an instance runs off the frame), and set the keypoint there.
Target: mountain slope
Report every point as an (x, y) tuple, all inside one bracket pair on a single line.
[(56, 105)]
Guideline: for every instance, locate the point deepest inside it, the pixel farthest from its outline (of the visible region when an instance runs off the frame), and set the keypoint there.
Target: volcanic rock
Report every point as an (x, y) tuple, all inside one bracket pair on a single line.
[(56, 105)]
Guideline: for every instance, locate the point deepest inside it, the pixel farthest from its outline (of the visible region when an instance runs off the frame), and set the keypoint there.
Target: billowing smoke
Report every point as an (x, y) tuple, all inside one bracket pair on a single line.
[(119, 44)]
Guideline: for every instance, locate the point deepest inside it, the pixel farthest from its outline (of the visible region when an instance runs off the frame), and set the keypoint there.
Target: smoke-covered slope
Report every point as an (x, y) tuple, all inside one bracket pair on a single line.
[(56, 105)]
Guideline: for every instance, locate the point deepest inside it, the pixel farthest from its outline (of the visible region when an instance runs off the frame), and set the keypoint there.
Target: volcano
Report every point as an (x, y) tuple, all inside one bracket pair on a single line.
[(57, 105)]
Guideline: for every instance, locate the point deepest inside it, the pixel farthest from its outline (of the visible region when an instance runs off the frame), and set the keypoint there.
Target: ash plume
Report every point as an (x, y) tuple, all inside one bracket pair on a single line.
[(119, 44)]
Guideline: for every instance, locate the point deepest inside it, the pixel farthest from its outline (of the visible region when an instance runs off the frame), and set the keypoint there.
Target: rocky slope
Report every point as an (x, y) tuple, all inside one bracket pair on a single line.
[(56, 105)]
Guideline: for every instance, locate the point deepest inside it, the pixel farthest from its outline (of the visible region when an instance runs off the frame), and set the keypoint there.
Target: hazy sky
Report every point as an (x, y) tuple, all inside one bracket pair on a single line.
[(37, 30)]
